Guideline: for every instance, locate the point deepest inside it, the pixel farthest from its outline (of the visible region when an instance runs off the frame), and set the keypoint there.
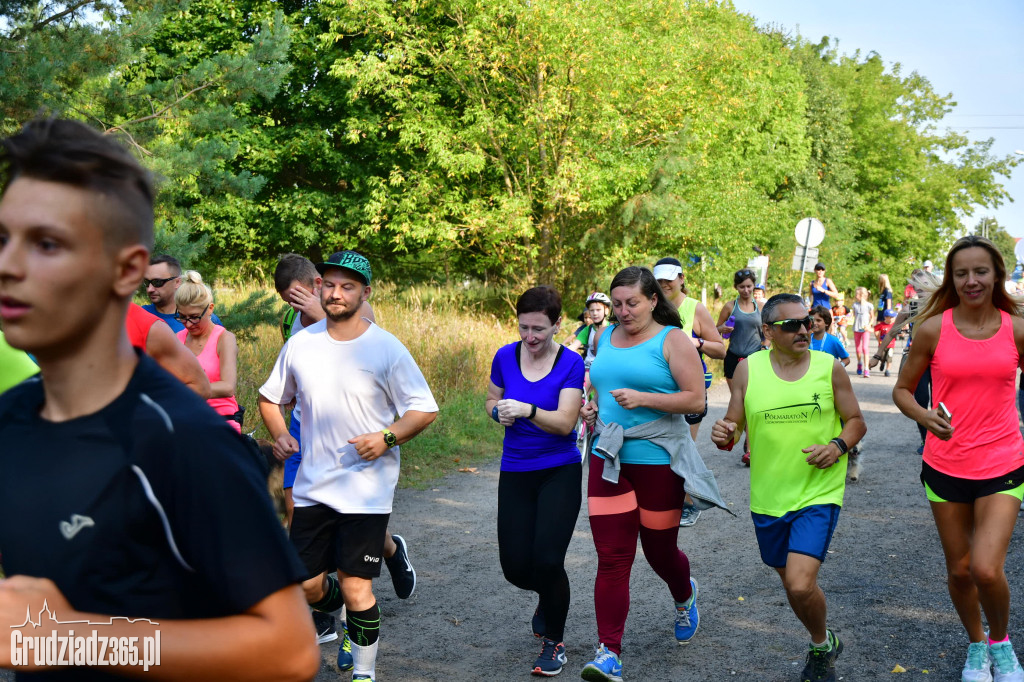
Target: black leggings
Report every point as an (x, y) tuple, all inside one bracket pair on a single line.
[(537, 512)]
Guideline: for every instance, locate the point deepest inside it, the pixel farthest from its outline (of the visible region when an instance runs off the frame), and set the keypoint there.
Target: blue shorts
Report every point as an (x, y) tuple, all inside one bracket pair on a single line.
[(291, 465), (805, 531)]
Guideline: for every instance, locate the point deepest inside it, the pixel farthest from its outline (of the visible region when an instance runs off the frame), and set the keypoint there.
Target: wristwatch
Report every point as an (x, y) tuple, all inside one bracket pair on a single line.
[(390, 439)]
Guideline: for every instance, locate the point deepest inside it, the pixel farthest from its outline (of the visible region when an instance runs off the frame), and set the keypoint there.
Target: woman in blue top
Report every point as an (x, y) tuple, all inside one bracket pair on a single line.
[(645, 367), (535, 392)]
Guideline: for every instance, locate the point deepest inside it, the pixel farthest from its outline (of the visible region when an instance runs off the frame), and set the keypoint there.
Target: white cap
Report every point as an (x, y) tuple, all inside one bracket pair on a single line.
[(667, 271), (927, 264)]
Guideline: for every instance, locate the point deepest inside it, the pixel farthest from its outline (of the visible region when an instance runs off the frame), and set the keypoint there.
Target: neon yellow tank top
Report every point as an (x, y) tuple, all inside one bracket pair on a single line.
[(687, 312), (784, 417)]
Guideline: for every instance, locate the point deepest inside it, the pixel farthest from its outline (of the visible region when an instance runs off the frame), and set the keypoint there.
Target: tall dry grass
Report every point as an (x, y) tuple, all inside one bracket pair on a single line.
[(453, 345)]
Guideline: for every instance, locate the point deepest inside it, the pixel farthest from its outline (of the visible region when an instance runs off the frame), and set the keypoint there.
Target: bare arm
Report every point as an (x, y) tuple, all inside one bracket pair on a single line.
[(163, 346), (684, 364), (560, 421), (926, 337), (284, 444), (714, 346), (227, 351), (723, 317), (273, 640), (725, 431), (370, 446)]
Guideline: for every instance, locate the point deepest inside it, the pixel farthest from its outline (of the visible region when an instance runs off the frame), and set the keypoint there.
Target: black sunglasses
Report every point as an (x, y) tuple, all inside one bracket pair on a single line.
[(793, 325), (157, 283), (189, 319)]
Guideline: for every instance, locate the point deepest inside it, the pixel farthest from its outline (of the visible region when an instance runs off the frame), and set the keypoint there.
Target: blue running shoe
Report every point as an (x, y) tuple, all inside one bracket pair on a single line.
[(687, 618), (345, 662), (606, 667), (1004, 663)]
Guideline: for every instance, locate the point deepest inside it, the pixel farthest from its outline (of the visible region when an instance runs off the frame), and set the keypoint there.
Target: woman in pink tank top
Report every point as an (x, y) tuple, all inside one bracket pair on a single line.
[(214, 346), (970, 335)]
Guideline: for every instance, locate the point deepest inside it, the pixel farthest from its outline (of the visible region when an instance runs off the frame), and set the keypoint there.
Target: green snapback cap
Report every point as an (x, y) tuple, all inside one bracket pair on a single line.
[(349, 260)]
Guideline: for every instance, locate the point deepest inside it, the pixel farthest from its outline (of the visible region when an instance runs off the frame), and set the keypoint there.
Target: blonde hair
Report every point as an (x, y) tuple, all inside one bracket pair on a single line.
[(883, 284), (192, 291), (857, 291)]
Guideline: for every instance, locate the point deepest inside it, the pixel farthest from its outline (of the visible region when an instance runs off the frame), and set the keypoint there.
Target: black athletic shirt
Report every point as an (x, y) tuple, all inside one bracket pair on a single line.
[(152, 507)]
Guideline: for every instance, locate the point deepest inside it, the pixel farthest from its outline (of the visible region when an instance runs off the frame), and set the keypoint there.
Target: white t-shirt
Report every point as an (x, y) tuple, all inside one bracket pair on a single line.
[(863, 316), (346, 389)]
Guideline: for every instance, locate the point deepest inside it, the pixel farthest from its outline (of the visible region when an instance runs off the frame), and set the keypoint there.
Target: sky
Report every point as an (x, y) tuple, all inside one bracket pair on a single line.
[(972, 50)]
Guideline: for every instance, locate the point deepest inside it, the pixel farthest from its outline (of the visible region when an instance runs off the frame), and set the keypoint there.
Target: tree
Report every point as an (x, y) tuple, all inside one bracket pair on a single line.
[(990, 228)]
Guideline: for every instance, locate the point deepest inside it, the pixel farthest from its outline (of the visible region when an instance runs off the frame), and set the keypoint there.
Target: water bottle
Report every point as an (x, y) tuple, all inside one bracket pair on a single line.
[(731, 322)]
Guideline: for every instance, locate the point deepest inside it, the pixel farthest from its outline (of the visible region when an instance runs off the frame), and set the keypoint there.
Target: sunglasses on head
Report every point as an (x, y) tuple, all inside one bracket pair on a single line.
[(157, 283), (793, 324)]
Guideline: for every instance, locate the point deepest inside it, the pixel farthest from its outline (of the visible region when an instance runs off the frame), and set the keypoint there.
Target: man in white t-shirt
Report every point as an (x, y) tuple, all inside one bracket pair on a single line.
[(350, 378)]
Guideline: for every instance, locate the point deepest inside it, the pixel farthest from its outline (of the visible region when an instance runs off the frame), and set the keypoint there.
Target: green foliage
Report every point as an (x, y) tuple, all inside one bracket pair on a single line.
[(507, 143), (259, 308), (990, 228)]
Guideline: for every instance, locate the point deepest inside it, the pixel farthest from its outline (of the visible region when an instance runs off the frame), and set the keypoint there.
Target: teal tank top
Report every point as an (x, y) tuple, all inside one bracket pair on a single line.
[(642, 368)]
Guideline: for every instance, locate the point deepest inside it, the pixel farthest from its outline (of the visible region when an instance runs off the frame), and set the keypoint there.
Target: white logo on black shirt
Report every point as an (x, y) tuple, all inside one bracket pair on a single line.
[(78, 522)]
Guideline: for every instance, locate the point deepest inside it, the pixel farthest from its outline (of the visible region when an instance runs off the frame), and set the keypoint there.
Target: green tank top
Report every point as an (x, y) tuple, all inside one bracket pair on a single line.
[(784, 417), (688, 311)]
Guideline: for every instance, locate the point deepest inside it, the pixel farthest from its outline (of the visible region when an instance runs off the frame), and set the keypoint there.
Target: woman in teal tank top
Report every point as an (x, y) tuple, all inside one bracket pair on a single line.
[(645, 368)]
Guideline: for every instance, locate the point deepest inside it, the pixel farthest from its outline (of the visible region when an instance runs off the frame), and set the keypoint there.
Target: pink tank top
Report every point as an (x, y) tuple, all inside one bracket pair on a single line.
[(209, 360), (975, 380)]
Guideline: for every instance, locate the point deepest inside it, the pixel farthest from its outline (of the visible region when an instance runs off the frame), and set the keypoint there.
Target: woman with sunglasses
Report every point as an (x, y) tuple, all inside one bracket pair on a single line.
[(214, 346), (973, 465), (740, 322)]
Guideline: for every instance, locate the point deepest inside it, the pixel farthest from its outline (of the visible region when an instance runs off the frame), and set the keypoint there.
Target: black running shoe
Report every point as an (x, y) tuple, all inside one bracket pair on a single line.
[(325, 629), (821, 663), (403, 575)]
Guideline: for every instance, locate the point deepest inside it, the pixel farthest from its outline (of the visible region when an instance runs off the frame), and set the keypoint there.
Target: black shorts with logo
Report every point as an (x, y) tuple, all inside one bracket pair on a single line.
[(327, 540), (965, 490)]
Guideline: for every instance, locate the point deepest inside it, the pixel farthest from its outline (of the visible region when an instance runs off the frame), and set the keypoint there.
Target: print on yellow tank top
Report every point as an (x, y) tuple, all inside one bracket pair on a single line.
[(784, 417)]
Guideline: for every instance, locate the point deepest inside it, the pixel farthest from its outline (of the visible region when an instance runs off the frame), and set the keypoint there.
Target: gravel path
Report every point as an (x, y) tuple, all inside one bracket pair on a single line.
[(884, 580)]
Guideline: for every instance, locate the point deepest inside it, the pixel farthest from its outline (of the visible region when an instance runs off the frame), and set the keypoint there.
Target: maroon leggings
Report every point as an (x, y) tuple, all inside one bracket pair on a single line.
[(647, 501)]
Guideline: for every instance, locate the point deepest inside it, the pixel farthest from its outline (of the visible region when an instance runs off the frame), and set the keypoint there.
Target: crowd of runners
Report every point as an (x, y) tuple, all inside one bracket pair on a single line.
[(124, 495)]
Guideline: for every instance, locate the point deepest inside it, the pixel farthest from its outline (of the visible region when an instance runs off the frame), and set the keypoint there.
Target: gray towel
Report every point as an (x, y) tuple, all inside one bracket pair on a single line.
[(672, 433)]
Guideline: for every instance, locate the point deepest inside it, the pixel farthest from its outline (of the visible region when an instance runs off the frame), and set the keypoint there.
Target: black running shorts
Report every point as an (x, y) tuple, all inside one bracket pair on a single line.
[(327, 540)]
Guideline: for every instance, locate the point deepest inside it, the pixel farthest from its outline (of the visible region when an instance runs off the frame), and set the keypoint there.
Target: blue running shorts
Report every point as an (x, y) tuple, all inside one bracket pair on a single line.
[(805, 531), (291, 465)]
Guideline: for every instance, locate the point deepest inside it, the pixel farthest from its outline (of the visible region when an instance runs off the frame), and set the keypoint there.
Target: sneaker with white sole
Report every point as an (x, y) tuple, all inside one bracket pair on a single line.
[(687, 617), (325, 628), (978, 667), (403, 575), (606, 667), (689, 516), (1004, 663), (552, 658)]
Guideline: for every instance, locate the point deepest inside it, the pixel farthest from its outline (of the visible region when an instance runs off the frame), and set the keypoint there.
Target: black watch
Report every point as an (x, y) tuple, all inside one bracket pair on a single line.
[(390, 439)]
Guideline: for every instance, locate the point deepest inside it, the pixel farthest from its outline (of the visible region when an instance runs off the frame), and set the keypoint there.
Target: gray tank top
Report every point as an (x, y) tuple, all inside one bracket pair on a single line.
[(746, 334)]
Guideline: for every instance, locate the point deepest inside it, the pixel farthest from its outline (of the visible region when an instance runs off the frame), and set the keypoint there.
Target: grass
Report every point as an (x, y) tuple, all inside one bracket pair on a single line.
[(453, 344)]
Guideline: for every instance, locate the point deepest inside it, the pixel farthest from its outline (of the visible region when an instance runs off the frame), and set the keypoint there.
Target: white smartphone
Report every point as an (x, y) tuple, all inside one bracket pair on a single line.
[(944, 411)]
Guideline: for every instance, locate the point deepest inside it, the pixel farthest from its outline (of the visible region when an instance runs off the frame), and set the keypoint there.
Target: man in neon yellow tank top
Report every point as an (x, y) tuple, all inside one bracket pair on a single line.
[(792, 400)]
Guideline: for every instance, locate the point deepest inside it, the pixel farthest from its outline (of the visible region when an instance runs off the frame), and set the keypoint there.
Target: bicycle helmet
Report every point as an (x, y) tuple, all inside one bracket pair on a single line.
[(600, 298)]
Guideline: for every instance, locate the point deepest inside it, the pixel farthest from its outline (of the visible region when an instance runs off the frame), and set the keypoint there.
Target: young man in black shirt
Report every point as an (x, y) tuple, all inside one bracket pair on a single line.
[(122, 495)]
